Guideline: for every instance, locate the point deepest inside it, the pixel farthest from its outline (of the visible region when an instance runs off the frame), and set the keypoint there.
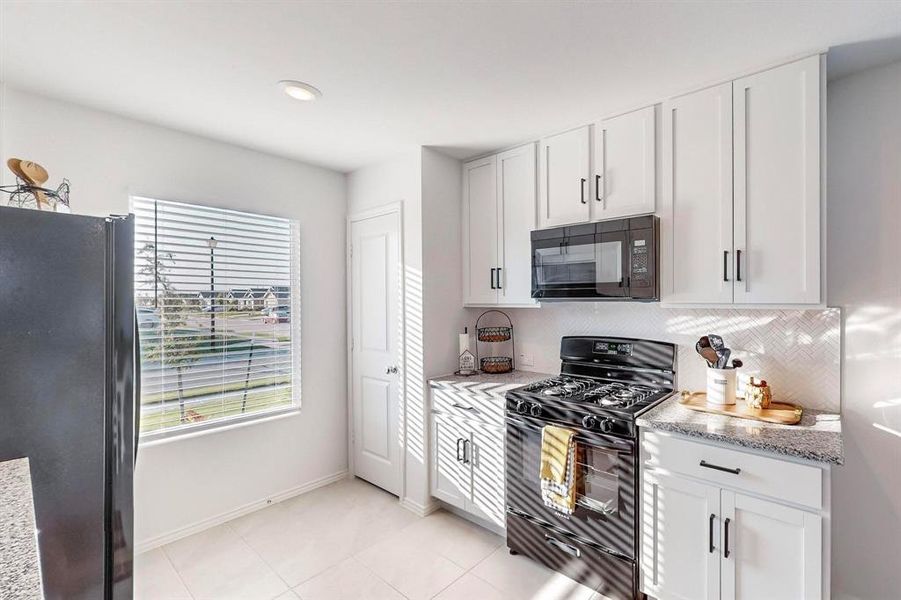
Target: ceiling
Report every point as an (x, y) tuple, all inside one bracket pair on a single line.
[(463, 77)]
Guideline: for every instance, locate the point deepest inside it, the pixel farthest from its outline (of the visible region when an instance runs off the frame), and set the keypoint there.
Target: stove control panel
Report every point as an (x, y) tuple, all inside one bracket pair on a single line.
[(524, 407), (592, 422)]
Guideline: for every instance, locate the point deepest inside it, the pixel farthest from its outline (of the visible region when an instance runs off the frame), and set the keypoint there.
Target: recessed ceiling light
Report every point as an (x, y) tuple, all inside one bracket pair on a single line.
[(300, 90)]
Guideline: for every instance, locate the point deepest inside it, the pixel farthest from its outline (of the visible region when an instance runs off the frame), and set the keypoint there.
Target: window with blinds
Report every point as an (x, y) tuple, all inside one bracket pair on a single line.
[(218, 303)]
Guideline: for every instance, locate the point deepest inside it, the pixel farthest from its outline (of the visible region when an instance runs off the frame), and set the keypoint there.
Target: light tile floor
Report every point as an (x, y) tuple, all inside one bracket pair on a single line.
[(348, 540)]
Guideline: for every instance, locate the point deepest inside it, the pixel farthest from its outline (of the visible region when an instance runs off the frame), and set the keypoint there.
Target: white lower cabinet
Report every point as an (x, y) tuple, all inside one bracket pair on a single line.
[(774, 551), (467, 465), (451, 479), (700, 539), (679, 529)]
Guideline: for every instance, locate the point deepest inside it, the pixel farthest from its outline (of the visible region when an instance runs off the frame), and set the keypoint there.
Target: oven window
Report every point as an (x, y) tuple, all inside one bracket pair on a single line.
[(597, 471), (597, 484)]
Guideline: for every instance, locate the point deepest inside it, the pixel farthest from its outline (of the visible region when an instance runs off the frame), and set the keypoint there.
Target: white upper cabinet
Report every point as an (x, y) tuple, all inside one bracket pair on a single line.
[(480, 227), (564, 169), (696, 232), (498, 216), (516, 207), (624, 165), (777, 184), (741, 206)]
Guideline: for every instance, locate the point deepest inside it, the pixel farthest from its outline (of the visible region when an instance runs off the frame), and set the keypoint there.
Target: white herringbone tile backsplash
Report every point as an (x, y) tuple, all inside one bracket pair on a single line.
[(796, 351)]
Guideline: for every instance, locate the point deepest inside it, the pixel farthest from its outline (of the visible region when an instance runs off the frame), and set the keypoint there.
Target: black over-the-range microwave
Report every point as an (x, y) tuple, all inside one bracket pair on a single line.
[(610, 260)]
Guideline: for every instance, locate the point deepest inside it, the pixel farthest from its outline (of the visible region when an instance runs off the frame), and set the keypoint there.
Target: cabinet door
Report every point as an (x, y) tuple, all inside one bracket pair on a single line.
[(480, 227), (680, 555), (487, 499), (777, 184), (696, 218), (563, 178), (451, 478), (516, 185), (624, 163), (772, 551)]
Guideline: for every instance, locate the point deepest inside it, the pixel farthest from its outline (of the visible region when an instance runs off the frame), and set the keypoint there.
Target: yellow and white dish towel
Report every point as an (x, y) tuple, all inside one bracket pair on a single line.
[(558, 461)]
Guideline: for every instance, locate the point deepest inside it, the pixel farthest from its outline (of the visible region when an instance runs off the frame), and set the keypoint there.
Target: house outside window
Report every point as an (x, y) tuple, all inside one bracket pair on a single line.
[(218, 304)]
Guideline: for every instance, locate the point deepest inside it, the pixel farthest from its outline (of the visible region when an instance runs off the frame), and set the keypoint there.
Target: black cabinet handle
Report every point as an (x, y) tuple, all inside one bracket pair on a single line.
[(492, 279), (725, 265), (726, 539), (499, 286), (710, 531), (571, 550), (707, 465), (460, 458), (466, 456), (584, 201), (738, 265), (597, 188)]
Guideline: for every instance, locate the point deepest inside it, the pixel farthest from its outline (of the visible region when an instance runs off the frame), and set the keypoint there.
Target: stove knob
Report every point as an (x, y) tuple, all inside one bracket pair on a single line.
[(535, 411), (589, 422), (606, 425), (522, 407)]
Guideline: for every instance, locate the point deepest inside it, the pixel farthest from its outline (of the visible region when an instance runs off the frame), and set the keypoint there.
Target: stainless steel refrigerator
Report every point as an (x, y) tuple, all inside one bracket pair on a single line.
[(67, 391)]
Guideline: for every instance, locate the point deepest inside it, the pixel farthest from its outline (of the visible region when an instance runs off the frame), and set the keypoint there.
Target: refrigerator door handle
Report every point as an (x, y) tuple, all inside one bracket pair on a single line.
[(137, 383)]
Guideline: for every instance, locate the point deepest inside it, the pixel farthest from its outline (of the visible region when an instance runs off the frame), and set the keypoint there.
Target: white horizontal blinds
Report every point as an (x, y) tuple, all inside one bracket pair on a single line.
[(218, 311)]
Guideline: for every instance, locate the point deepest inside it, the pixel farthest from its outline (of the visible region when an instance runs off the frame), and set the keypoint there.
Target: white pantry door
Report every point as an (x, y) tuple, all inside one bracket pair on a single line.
[(375, 315)]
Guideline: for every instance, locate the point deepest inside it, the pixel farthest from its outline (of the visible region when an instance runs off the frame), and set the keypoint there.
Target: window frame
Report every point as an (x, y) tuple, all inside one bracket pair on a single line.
[(225, 423)]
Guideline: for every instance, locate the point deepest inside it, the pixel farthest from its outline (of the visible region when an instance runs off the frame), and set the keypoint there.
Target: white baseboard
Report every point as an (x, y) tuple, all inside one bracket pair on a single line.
[(423, 510), (182, 532)]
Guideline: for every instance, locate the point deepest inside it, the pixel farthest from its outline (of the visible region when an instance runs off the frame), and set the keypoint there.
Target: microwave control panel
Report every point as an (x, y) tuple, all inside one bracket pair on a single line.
[(640, 272)]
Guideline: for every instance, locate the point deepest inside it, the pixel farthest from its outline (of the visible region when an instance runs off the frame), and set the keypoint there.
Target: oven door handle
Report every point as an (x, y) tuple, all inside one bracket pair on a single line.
[(571, 550), (591, 438)]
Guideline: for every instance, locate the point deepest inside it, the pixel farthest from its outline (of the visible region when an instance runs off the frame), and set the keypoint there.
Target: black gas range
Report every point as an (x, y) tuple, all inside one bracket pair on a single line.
[(604, 384)]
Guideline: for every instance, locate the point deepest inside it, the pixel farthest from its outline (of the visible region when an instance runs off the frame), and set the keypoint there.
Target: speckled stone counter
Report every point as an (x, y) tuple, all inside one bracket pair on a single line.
[(486, 383), (818, 437), (20, 571)]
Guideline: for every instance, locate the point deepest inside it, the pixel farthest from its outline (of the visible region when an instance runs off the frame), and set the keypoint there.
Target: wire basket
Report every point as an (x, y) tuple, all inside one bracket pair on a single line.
[(22, 195), (494, 334), (496, 364)]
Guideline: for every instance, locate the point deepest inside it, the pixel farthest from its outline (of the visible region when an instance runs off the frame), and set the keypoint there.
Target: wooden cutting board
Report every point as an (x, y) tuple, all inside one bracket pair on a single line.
[(778, 412)]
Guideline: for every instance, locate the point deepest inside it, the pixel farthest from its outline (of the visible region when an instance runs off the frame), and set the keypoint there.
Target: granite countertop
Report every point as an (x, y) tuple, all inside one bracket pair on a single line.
[(487, 383), (20, 567), (818, 437)]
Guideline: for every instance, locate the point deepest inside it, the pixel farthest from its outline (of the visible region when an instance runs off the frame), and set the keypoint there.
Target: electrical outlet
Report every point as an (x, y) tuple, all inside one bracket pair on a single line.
[(526, 360)]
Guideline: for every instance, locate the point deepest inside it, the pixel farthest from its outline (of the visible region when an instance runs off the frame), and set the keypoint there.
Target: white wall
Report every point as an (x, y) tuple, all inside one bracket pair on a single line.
[(864, 262), (797, 351), (442, 274), (444, 316), (400, 180), (186, 482), (427, 183)]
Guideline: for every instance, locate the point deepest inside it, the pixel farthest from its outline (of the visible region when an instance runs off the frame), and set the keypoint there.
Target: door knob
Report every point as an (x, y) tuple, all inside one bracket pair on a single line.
[(392, 370)]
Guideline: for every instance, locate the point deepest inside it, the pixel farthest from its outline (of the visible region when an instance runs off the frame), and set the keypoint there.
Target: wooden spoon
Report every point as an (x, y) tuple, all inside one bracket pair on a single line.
[(709, 354), (37, 176)]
